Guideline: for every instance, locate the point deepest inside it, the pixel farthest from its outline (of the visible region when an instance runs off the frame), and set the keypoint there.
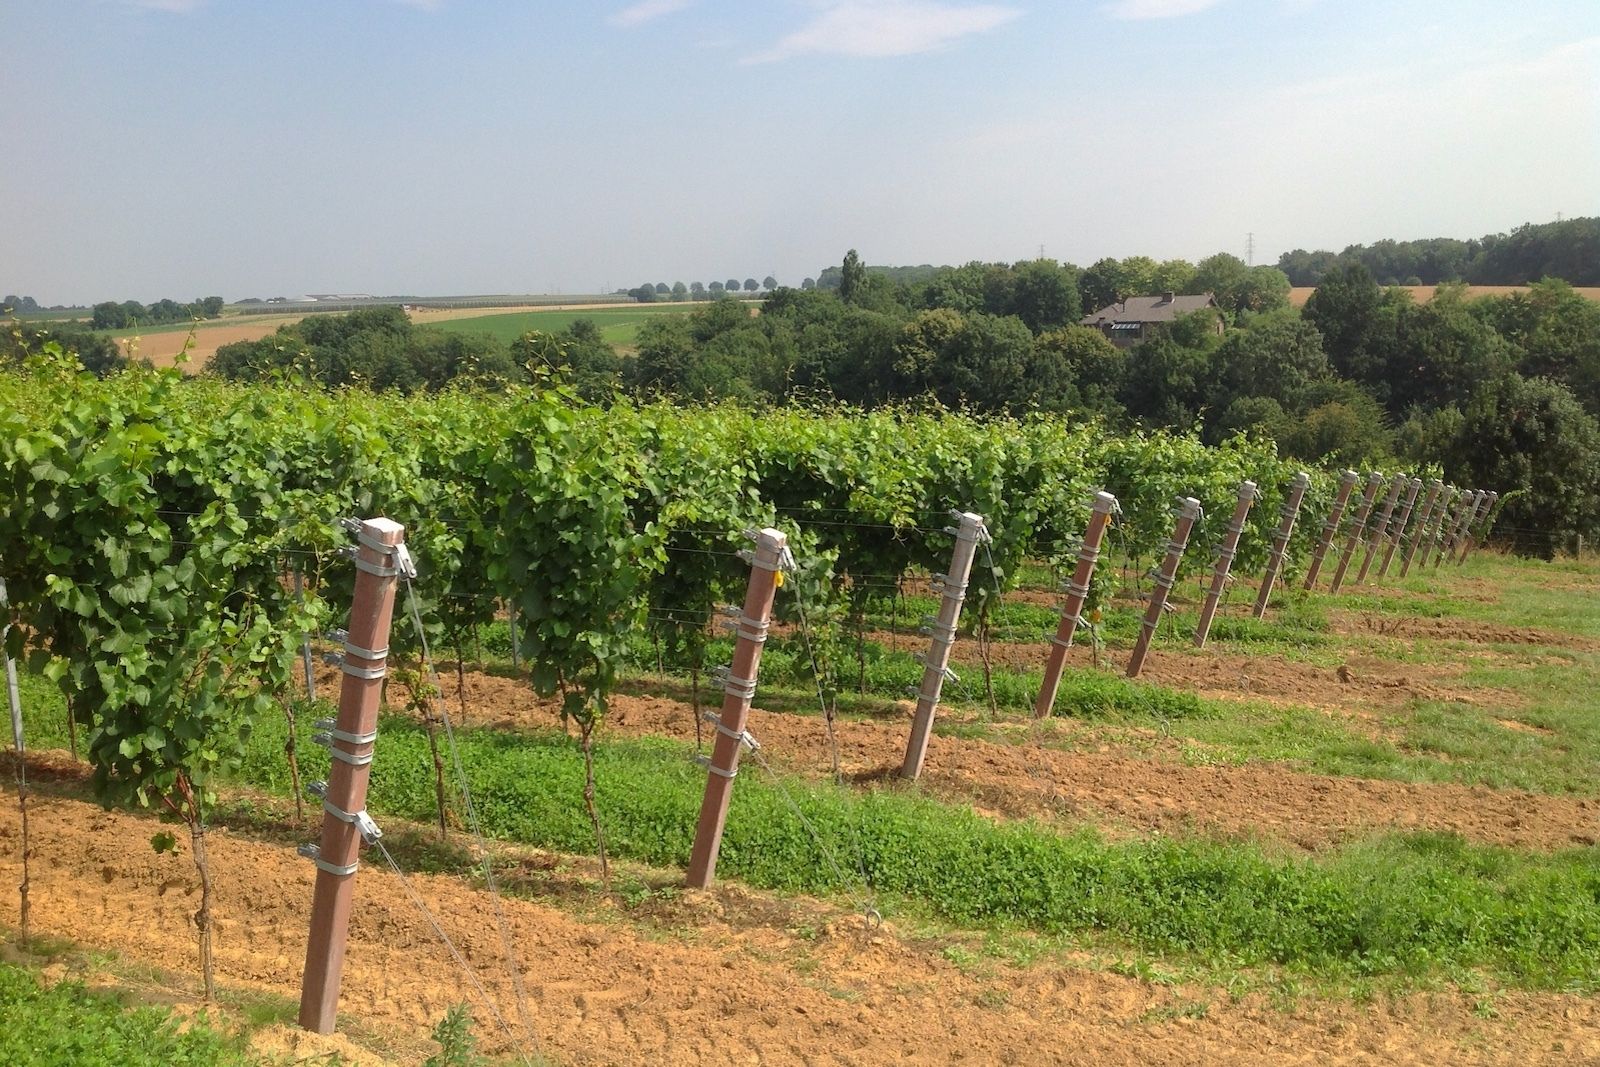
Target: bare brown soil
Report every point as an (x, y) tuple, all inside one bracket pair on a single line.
[(729, 982), (162, 349), (1361, 682), (1452, 629), (1018, 772)]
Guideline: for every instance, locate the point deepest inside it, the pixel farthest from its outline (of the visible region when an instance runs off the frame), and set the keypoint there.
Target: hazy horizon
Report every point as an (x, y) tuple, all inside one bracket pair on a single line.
[(177, 148)]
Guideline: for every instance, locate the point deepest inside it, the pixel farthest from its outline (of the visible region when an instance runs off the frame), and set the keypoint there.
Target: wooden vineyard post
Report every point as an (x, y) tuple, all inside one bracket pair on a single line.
[(1225, 554), (1358, 529), (1280, 541), (1469, 539), (739, 688), (1188, 513), (380, 557), (1347, 483), (1434, 537), (1467, 505), (1380, 527), (936, 664), (1398, 531), (1077, 590), (1419, 532)]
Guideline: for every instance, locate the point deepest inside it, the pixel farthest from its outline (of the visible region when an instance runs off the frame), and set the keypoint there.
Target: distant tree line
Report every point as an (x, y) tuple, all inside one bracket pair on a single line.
[(111, 315), (651, 293), (1569, 250), (98, 353)]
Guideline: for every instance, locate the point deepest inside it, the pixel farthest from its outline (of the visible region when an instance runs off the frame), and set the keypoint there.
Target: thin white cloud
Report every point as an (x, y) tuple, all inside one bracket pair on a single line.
[(1157, 9), (646, 11), (873, 29)]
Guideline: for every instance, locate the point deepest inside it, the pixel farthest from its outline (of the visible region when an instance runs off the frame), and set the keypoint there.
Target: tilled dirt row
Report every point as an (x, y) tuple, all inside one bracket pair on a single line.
[(722, 989), (1120, 792)]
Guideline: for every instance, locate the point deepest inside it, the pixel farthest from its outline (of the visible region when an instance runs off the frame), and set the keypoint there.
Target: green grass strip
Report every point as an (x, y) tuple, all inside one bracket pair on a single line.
[(1409, 904), (47, 1026)]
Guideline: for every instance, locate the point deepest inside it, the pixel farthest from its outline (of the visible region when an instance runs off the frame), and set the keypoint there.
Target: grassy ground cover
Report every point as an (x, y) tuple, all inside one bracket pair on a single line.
[(45, 1025), (1393, 903), (618, 326)]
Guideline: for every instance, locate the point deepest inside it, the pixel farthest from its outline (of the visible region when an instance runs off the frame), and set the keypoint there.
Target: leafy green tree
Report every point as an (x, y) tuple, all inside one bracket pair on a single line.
[(751, 285), (1533, 435), (852, 278), (1345, 310), (679, 291), (731, 285), (1045, 295), (1173, 276), (109, 315), (1106, 282), (808, 284), (769, 283), (716, 288), (1553, 332), (1280, 358), (662, 288), (697, 290), (1092, 367)]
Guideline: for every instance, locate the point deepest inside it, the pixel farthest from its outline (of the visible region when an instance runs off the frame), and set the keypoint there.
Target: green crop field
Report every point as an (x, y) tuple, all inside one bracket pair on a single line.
[(619, 326)]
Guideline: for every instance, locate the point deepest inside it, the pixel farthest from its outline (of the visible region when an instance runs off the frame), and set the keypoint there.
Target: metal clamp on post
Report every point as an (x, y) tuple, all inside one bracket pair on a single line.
[(363, 823), (931, 625), (330, 727), (744, 737), (743, 688), (1072, 588), (338, 660), (353, 759), (705, 761), (949, 588), (748, 628), (343, 637), (948, 674), (314, 854)]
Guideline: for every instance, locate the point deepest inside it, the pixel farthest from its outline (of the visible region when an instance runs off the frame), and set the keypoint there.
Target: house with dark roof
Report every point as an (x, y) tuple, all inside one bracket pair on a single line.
[(1137, 317)]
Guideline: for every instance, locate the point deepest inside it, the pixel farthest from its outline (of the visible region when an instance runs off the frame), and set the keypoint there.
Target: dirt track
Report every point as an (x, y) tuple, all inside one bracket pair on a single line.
[(731, 984)]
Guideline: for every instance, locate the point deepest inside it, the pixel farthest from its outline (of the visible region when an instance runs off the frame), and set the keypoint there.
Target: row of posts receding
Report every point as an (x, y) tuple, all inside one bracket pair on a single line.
[(1448, 523)]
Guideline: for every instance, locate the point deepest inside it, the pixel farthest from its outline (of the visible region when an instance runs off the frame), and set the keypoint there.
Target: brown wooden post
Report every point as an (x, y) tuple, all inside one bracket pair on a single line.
[(1280, 541), (936, 664), (380, 557), (1380, 526), (1330, 527), (1188, 513), (1448, 502), (1225, 553), (1468, 504), (1077, 590), (1398, 531), (1469, 537), (738, 690), (1419, 533), (1358, 529)]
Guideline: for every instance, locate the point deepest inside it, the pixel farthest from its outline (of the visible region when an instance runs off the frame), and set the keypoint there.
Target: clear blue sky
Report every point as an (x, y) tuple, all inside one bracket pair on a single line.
[(187, 147)]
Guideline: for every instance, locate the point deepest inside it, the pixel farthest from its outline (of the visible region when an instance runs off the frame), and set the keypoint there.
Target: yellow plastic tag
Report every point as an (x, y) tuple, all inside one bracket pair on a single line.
[(779, 582)]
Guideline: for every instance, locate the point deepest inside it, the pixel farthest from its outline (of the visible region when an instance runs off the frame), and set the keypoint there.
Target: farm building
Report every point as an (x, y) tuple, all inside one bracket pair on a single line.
[(1129, 322)]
